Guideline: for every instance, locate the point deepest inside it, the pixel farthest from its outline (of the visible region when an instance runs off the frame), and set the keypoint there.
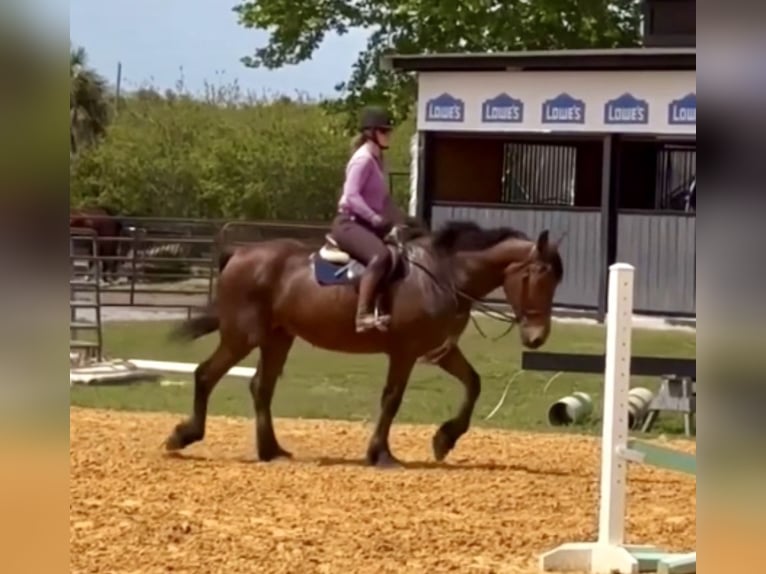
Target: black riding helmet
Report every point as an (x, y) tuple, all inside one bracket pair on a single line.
[(374, 117)]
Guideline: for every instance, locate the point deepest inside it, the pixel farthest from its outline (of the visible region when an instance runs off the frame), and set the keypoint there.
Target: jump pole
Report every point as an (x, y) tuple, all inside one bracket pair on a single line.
[(609, 554), (186, 368)]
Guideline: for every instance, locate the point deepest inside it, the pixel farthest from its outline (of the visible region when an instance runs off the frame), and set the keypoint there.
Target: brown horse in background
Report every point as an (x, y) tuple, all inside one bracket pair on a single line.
[(106, 226), (272, 292)]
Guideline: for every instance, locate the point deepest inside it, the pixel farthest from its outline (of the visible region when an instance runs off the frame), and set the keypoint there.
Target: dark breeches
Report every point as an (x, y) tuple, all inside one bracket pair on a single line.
[(361, 242)]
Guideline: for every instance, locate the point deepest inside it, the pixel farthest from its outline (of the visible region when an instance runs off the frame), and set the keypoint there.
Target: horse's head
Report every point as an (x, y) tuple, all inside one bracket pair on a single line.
[(529, 271), (530, 286)]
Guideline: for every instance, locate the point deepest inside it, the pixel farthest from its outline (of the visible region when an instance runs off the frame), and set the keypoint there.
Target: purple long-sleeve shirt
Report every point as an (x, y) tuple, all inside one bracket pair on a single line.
[(365, 192)]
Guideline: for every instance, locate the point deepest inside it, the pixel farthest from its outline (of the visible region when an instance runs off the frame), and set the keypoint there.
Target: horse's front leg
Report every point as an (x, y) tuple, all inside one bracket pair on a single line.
[(455, 363), (399, 371)]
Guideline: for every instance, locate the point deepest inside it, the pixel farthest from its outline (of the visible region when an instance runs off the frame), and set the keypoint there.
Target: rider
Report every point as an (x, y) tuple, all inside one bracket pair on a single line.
[(366, 212)]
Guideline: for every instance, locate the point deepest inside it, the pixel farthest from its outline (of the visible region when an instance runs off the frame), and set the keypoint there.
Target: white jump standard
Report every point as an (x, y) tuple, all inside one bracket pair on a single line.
[(609, 554)]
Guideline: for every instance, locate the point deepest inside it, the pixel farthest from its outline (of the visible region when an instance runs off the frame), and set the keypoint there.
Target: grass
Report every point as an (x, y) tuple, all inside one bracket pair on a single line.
[(321, 384)]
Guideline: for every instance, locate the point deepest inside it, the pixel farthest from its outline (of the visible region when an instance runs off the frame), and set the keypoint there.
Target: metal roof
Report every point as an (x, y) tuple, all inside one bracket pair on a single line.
[(583, 59)]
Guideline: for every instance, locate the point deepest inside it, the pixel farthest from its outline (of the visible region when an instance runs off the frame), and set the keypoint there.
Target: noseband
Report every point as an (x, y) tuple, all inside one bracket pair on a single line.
[(526, 268)]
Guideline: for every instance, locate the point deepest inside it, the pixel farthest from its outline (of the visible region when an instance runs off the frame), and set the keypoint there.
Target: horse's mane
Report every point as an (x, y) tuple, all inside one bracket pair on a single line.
[(456, 236)]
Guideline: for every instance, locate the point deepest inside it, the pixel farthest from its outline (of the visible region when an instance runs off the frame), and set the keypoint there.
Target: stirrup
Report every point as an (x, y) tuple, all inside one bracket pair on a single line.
[(381, 321), (365, 322), (368, 321)]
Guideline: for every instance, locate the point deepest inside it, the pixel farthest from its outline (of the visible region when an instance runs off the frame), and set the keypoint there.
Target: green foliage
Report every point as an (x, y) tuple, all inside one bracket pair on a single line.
[(297, 28), (222, 156), (88, 106)]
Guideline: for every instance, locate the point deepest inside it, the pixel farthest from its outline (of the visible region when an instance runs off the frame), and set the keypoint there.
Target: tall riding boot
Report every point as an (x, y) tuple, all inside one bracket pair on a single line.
[(365, 318)]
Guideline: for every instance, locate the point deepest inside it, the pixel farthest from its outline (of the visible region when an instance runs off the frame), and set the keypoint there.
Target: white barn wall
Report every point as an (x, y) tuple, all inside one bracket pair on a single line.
[(461, 97), (414, 160)]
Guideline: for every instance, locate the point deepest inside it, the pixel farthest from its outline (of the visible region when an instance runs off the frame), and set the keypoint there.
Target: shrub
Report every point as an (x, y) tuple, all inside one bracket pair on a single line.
[(221, 157)]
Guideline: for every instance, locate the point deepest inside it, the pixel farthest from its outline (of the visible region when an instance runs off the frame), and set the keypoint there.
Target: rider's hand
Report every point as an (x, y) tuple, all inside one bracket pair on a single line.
[(381, 224)]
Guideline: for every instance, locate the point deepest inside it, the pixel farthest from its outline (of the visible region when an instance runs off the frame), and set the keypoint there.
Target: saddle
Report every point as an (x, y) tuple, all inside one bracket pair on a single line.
[(331, 253), (333, 266)]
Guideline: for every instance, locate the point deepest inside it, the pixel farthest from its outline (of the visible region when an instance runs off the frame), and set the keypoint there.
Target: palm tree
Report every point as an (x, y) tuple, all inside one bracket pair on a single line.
[(88, 105)]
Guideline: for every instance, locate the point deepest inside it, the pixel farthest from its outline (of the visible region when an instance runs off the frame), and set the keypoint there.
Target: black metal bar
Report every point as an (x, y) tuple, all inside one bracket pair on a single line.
[(139, 292), (595, 364), (424, 177), (515, 206), (145, 258), (172, 306), (161, 239), (607, 59), (215, 256), (608, 219)]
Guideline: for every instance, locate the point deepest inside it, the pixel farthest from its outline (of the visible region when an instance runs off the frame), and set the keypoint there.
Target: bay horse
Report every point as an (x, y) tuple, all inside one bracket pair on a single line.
[(271, 292), (107, 227)]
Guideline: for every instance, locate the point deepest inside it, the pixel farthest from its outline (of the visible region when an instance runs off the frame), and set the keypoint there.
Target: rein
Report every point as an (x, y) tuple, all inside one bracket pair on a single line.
[(482, 307), (486, 310)]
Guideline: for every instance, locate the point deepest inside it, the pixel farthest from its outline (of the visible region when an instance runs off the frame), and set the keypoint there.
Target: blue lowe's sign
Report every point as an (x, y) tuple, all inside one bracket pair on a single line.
[(563, 109), (502, 109), (626, 110), (445, 108), (683, 111)]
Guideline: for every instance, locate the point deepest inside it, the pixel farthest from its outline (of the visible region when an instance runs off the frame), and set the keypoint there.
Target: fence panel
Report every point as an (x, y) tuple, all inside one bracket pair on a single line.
[(173, 263), (663, 248)]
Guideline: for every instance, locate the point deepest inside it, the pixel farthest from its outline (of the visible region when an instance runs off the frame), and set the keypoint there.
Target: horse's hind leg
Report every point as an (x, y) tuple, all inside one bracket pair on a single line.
[(274, 351), (206, 377), (455, 363)]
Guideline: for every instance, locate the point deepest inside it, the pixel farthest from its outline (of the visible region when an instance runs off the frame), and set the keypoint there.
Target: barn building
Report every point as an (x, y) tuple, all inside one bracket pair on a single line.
[(599, 145)]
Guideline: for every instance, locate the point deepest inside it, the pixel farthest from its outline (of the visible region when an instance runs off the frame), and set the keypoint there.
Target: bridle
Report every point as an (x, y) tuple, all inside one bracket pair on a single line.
[(525, 312), (484, 308), (531, 261)]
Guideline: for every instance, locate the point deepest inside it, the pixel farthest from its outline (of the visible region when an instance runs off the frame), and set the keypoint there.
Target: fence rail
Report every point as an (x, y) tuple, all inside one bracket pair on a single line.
[(168, 263)]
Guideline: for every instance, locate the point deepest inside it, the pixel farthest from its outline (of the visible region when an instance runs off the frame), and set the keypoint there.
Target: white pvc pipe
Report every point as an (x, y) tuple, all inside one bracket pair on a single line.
[(610, 553), (639, 401), (572, 409), (414, 161), (186, 368), (619, 318)]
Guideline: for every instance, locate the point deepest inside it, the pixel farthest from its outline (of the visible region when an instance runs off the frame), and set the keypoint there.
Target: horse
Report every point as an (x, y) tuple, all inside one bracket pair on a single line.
[(106, 226), (272, 292)]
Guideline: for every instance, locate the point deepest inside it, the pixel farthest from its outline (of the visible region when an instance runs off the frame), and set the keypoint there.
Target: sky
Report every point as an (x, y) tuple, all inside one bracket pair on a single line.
[(161, 41)]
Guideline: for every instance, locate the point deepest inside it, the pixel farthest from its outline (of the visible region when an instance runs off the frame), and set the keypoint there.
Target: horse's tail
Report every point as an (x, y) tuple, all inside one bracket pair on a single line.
[(227, 252), (197, 327), (208, 322)]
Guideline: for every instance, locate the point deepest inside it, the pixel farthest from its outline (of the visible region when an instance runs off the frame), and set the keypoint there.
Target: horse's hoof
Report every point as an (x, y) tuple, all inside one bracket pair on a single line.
[(442, 445), (174, 443), (274, 454), (182, 436), (386, 460), (282, 453)]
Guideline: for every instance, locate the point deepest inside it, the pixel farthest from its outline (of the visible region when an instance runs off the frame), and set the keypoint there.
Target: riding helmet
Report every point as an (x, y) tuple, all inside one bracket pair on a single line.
[(374, 117)]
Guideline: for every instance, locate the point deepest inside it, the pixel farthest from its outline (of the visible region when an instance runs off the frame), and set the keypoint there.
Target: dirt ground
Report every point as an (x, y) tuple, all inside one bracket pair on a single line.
[(503, 498)]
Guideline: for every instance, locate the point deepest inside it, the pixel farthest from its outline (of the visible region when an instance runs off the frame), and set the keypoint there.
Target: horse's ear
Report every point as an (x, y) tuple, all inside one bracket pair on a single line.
[(542, 242), (560, 240)]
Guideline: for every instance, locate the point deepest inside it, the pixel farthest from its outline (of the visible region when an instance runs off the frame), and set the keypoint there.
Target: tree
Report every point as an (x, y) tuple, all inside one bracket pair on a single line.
[(298, 27), (88, 102)]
